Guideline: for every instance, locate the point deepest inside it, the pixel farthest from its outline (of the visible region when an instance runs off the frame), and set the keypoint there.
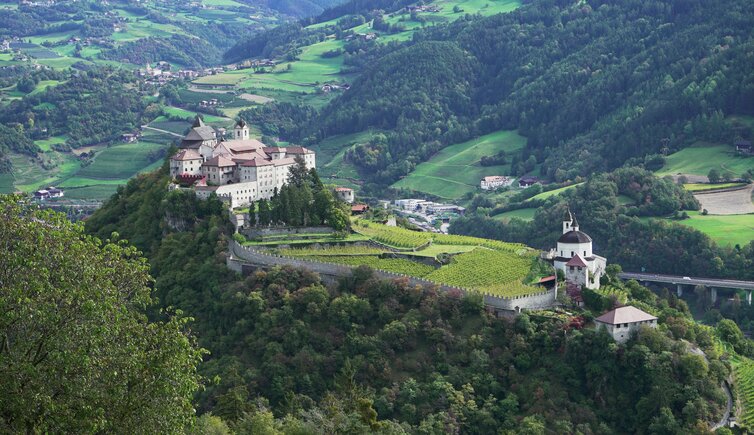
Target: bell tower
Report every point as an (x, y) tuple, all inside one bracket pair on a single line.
[(241, 130), (569, 222)]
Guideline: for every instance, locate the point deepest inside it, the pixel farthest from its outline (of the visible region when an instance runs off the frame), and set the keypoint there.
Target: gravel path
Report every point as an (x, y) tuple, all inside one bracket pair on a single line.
[(728, 202)]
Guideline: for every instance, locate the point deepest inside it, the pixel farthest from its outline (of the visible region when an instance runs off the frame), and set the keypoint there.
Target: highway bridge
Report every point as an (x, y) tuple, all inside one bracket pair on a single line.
[(690, 281)]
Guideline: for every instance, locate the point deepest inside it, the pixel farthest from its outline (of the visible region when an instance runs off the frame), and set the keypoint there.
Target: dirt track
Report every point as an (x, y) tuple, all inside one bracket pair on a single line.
[(727, 202)]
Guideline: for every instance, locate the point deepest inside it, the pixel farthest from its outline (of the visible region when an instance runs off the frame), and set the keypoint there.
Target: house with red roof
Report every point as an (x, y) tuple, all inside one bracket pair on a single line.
[(240, 170)]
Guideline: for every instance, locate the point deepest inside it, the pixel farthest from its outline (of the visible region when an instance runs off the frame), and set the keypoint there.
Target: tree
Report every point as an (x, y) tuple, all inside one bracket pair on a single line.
[(265, 216), (77, 353), (713, 175)]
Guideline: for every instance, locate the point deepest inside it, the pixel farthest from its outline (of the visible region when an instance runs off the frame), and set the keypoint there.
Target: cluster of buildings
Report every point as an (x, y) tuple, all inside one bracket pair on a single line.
[(162, 73), (50, 192), (239, 170), (363, 36), (494, 182)]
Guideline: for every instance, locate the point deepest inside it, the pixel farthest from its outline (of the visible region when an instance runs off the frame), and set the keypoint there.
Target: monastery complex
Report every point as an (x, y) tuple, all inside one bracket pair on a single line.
[(239, 170)]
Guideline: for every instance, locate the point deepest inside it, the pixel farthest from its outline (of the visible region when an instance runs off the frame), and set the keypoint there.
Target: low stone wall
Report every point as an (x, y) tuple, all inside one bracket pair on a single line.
[(255, 232), (241, 258)]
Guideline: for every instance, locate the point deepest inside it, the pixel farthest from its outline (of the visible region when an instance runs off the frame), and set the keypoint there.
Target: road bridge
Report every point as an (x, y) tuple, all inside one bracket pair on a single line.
[(690, 281)]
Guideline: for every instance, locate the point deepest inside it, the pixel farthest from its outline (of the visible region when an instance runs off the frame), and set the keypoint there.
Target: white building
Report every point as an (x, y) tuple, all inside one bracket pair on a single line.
[(345, 194), (624, 321), (238, 171), (495, 182), (575, 258)]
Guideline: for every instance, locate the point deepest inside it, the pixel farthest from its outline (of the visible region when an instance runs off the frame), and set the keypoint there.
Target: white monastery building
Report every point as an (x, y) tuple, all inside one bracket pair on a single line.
[(239, 170), (624, 321), (575, 258), (494, 182)]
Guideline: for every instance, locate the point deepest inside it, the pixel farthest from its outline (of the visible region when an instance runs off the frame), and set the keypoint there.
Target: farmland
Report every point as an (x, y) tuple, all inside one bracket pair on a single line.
[(526, 214), (726, 230), (702, 157), (455, 170)]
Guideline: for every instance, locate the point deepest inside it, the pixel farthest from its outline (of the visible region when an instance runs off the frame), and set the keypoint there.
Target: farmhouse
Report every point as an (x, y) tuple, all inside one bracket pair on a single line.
[(527, 181), (575, 258), (743, 146), (623, 321), (345, 194), (238, 171), (494, 182)]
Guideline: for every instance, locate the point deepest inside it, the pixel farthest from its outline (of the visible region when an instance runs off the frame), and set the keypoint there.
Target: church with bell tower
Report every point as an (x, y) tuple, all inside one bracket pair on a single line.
[(574, 256)]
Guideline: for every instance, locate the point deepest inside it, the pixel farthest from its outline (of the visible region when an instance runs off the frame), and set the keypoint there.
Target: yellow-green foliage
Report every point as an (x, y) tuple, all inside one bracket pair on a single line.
[(608, 291), (395, 265), (743, 373), (452, 239), (483, 269), (393, 236)]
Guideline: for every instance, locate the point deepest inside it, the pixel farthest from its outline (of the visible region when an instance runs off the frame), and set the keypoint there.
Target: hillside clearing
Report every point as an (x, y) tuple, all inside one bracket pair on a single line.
[(455, 170), (704, 156), (729, 202)]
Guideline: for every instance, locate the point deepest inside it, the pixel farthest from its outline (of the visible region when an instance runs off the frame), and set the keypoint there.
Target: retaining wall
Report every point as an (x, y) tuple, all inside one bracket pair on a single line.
[(245, 259)]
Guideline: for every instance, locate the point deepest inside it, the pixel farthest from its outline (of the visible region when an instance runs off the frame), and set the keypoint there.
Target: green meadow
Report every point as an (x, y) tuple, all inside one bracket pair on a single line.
[(121, 162), (702, 157), (526, 214), (455, 170), (727, 230), (549, 193)]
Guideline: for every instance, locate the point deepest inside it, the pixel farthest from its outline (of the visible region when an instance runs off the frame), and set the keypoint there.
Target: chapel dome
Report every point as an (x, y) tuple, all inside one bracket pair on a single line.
[(575, 237)]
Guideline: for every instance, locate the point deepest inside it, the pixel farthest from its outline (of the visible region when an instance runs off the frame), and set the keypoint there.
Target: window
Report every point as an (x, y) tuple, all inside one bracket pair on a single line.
[(571, 267), (584, 253), (572, 253)]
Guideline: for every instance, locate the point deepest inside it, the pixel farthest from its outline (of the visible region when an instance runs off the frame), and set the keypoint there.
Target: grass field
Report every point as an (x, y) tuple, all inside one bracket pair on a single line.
[(700, 187), (121, 161), (46, 144), (549, 193), (702, 157), (725, 230), (176, 112), (526, 214), (455, 170)]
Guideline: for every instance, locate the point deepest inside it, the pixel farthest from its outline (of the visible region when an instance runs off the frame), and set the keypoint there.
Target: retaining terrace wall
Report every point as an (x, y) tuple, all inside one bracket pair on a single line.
[(242, 257)]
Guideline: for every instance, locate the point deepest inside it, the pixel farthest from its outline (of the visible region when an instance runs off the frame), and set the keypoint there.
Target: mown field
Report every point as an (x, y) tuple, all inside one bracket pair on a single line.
[(702, 157), (526, 214), (726, 230), (701, 187), (455, 170)]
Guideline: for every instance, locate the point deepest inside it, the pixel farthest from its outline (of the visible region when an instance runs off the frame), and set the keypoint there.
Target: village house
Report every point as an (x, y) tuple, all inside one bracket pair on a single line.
[(527, 181), (621, 322), (50, 192), (345, 194), (574, 257), (239, 170), (495, 182), (743, 146), (359, 209)]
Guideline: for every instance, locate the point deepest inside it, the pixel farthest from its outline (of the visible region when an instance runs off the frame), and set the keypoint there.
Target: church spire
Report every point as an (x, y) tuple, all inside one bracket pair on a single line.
[(568, 221)]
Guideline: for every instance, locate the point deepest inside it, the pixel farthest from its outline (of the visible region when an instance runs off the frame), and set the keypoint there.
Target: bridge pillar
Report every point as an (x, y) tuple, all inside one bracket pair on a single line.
[(748, 297), (713, 294), (679, 292)]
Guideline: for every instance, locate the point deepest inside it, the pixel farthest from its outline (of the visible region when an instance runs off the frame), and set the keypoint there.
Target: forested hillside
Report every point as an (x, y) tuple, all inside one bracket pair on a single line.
[(289, 354), (605, 80)]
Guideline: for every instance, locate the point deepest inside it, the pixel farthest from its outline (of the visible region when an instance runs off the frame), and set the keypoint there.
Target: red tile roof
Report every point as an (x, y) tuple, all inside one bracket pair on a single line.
[(359, 207), (343, 189), (186, 155), (256, 162), (576, 261)]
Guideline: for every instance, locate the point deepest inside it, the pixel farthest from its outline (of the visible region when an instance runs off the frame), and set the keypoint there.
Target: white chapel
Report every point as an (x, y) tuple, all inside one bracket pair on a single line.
[(575, 258)]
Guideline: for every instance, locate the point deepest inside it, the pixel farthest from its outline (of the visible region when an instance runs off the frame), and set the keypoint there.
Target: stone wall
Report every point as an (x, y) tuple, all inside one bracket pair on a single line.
[(245, 259), (255, 232)]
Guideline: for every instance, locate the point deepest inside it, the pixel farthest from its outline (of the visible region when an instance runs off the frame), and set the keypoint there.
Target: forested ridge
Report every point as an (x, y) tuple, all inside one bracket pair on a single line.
[(591, 84), (289, 354)]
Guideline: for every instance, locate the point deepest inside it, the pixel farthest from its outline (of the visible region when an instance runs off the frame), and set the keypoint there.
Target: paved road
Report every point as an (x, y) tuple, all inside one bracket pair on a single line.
[(685, 280)]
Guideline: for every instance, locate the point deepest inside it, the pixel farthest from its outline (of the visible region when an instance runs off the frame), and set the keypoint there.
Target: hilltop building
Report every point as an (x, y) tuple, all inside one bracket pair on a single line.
[(239, 170), (623, 321), (575, 258)]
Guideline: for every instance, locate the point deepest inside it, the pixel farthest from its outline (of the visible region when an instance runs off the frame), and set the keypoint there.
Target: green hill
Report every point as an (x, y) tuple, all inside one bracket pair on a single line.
[(455, 170)]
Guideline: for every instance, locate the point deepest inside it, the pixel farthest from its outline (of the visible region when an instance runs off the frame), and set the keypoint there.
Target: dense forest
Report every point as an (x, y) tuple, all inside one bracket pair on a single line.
[(289, 354), (631, 78), (183, 50)]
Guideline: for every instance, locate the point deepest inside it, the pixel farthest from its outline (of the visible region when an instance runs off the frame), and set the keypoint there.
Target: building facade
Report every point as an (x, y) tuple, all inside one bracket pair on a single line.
[(575, 258), (495, 182), (239, 170), (622, 322)]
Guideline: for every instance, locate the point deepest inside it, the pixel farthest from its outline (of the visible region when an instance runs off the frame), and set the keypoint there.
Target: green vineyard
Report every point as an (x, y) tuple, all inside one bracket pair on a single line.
[(743, 373), (395, 265), (484, 269), (392, 236), (452, 239)]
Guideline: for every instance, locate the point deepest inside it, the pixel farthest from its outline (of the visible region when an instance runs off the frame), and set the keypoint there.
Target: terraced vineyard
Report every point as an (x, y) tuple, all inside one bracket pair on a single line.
[(396, 265), (451, 239), (334, 250), (392, 236), (743, 373), (487, 270)]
